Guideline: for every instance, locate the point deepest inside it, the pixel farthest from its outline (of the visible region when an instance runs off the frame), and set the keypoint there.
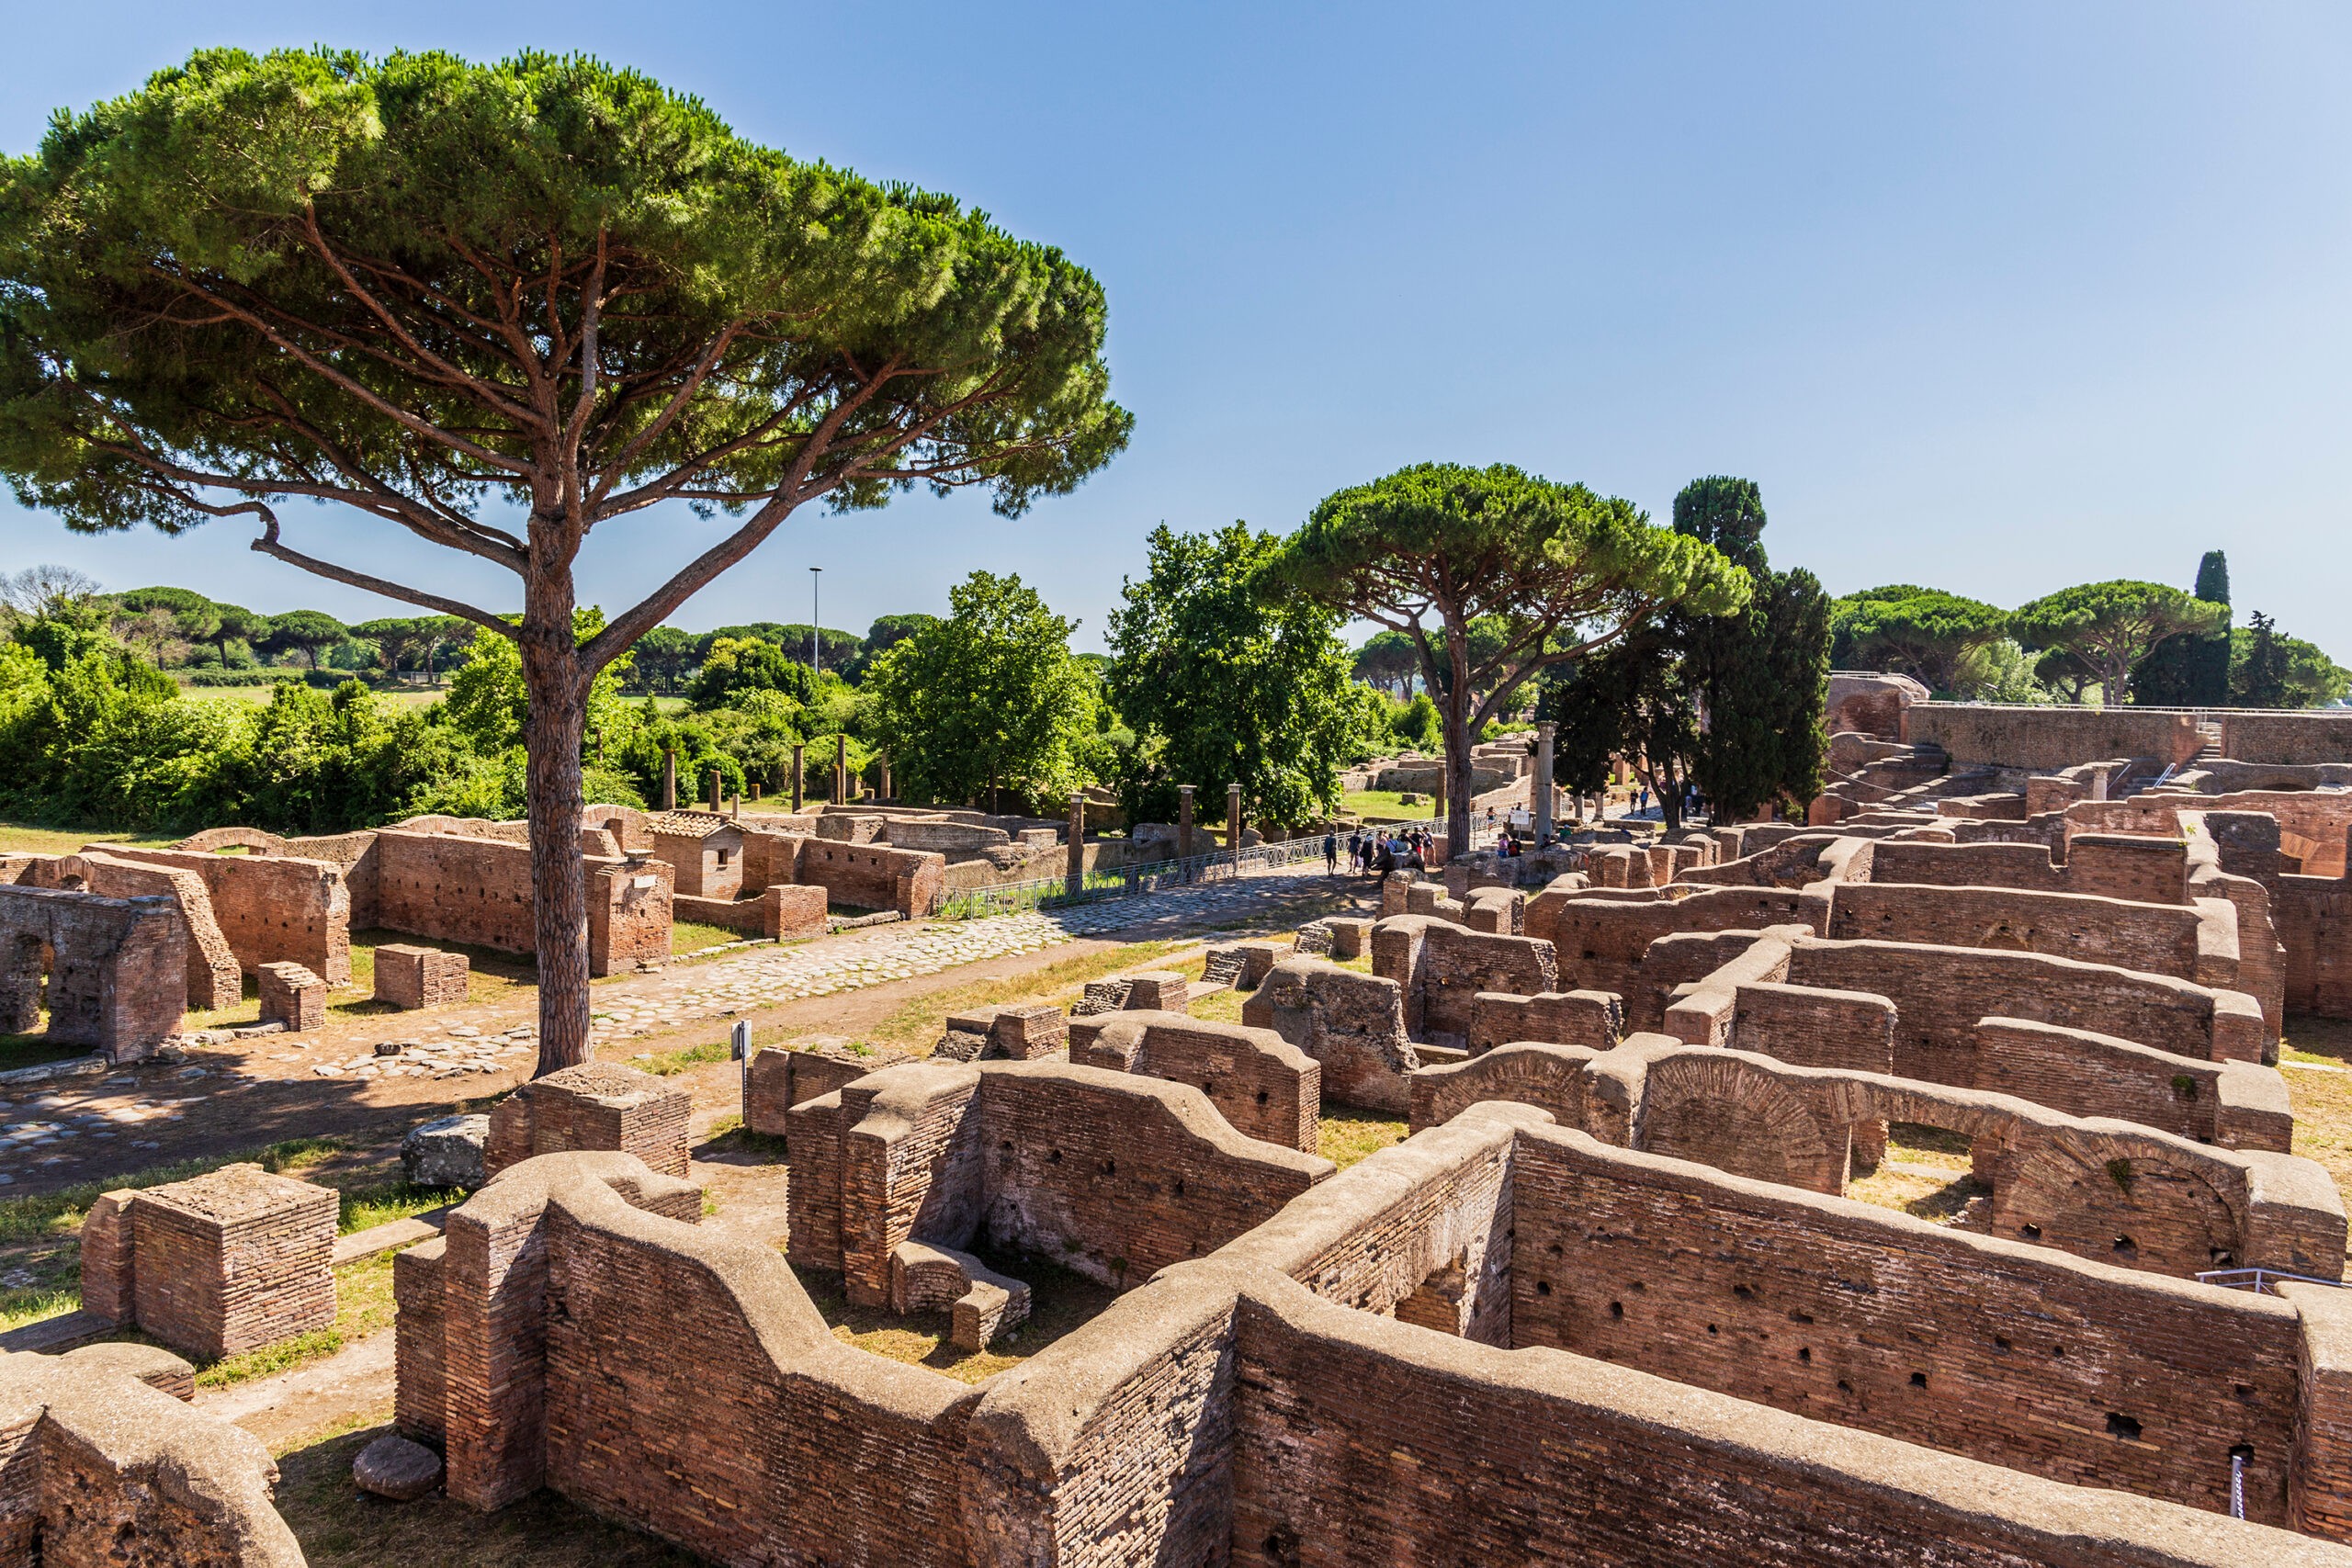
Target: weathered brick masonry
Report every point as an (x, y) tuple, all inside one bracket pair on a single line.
[(1265, 1086), (117, 969)]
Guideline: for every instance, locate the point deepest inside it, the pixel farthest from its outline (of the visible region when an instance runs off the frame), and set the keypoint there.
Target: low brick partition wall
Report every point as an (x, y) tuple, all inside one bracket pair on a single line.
[(1601, 944), (1441, 967), (1262, 1085), (1596, 1019), (782, 911), (2045, 739), (271, 908), (593, 1106), (779, 1078), (293, 996), (2159, 938), (215, 1266), (2123, 1193), (2239, 1105), (101, 1467), (410, 977), (1110, 1174)]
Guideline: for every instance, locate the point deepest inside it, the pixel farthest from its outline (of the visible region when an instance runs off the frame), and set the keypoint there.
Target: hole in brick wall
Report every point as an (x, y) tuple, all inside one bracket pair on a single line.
[(1553, 1249), (1799, 1317), (2000, 1343), (1616, 1309), (1589, 955), (1804, 1354), (2243, 1452), (2242, 1390), (1845, 1387), (1918, 1380), (1110, 1167), (2221, 1257), (1712, 1329), (1638, 1286), (2059, 1351), (2031, 1233), (1261, 1097), (2126, 1248), (1542, 1287), (1180, 1189), (1055, 1157), (1742, 1292), (2122, 1427)]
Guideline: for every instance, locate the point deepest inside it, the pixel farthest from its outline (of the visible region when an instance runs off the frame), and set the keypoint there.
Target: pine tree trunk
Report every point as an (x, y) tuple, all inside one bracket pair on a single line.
[(551, 788), (1456, 713)]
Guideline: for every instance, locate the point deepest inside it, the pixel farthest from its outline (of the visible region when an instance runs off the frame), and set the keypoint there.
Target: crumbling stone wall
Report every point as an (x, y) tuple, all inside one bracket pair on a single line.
[(1265, 1086), (99, 1467), (271, 909), (112, 972), (2045, 739), (2156, 938), (2304, 738), (1351, 1023), (214, 977)]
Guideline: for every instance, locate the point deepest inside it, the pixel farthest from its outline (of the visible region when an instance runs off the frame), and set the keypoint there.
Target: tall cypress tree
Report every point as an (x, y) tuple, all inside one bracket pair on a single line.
[(2193, 669)]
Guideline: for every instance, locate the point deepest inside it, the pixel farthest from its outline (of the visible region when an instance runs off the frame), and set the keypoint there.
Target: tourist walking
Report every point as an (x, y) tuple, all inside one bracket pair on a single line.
[(1331, 854)]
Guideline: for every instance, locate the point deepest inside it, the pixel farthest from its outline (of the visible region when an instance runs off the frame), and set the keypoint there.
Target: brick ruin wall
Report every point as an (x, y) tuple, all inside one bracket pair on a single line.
[(1853, 1315), (271, 909), (2082, 1073), (2046, 739), (1441, 967), (214, 977), (1108, 1174), (1351, 1023), (1603, 945), (116, 969), (1265, 1086), (2302, 738), (2158, 939), (870, 876)]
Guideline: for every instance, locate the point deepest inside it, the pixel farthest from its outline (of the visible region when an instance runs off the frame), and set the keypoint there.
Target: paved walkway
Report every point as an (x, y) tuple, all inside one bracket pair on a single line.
[(764, 977)]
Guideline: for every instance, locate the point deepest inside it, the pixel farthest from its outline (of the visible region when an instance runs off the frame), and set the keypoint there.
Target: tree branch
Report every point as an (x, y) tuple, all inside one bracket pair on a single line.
[(267, 544)]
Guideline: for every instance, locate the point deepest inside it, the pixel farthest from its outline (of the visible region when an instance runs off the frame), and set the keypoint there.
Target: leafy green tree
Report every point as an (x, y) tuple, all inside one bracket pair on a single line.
[(1628, 701), (2110, 626), (1430, 549), (2261, 674), (735, 666), (194, 617), (307, 632), (2191, 669), (237, 625), (664, 655), (886, 633), (987, 697), (1389, 660), (397, 639), (1225, 684), (431, 292), (1760, 676), (2299, 672), (1909, 630)]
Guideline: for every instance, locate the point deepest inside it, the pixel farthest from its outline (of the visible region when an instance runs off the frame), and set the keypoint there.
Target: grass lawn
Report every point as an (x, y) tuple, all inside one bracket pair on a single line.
[(259, 695), (693, 936), (1347, 1134), (23, 838), (1926, 1174), (2321, 1100), (1384, 803), (491, 975)]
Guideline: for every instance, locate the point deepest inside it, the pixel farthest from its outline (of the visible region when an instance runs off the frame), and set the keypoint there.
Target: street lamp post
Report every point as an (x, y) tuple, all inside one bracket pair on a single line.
[(813, 620)]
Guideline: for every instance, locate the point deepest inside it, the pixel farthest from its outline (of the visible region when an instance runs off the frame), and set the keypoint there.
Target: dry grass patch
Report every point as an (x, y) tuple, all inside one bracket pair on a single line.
[(2321, 1098), (1346, 1135), (918, 1022), (24, 839)]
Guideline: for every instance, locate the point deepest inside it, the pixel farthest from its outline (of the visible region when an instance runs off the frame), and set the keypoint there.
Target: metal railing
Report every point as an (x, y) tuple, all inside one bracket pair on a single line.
[(2259, 1280), (1126, 882)]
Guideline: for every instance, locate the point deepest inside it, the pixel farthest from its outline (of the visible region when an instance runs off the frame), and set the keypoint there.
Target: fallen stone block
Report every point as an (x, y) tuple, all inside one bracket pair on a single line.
[(395, 1468), (447, 1152)]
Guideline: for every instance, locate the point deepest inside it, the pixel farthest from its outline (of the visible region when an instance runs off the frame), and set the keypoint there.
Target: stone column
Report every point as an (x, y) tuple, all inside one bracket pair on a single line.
[(669, 779), (1233, 824), (1076, 866), (798, 774), (884, 760), (840, 767), (1544, 734), (714, 787), (1183, 821)]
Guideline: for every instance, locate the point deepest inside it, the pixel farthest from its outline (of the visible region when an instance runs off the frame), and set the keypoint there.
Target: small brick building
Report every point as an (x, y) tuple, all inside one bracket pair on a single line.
[(596, 1105), (704, 849)]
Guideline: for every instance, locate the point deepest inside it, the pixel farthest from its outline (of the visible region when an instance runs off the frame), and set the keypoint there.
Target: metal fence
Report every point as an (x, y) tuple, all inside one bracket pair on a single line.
[(2258, 1281), (1126, 882)]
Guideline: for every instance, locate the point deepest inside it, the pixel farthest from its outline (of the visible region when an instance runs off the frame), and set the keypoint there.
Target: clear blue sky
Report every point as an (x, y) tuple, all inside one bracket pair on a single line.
[(1993, 297)]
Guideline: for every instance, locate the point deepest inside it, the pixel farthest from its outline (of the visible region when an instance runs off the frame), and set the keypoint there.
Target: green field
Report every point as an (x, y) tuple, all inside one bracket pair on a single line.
[(1382, 803)]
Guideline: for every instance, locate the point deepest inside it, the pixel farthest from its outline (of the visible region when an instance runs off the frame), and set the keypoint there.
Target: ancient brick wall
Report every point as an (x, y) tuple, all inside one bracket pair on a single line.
[(1549, 1077), (2286, 737), (2315, 917), (1602, 945), (2082, 1073), (1565, 1017), (1940, 992), (420, 1394), (628, 916), (271, 909), (2158, 938), (218, 1265), (214, 977), (1813, 1028), (116, 969), (872, 877), (2046, 739), (911, 1156), (1853, 1315), (454, 889), (593, 1106), (1261, 1083)]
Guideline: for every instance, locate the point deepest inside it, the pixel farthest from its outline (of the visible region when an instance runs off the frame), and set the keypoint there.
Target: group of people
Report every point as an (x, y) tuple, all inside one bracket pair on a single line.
[(1376, 853)]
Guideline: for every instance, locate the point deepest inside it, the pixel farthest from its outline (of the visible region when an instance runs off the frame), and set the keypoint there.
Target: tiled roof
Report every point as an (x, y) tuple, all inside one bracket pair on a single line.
[(688, 824)]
